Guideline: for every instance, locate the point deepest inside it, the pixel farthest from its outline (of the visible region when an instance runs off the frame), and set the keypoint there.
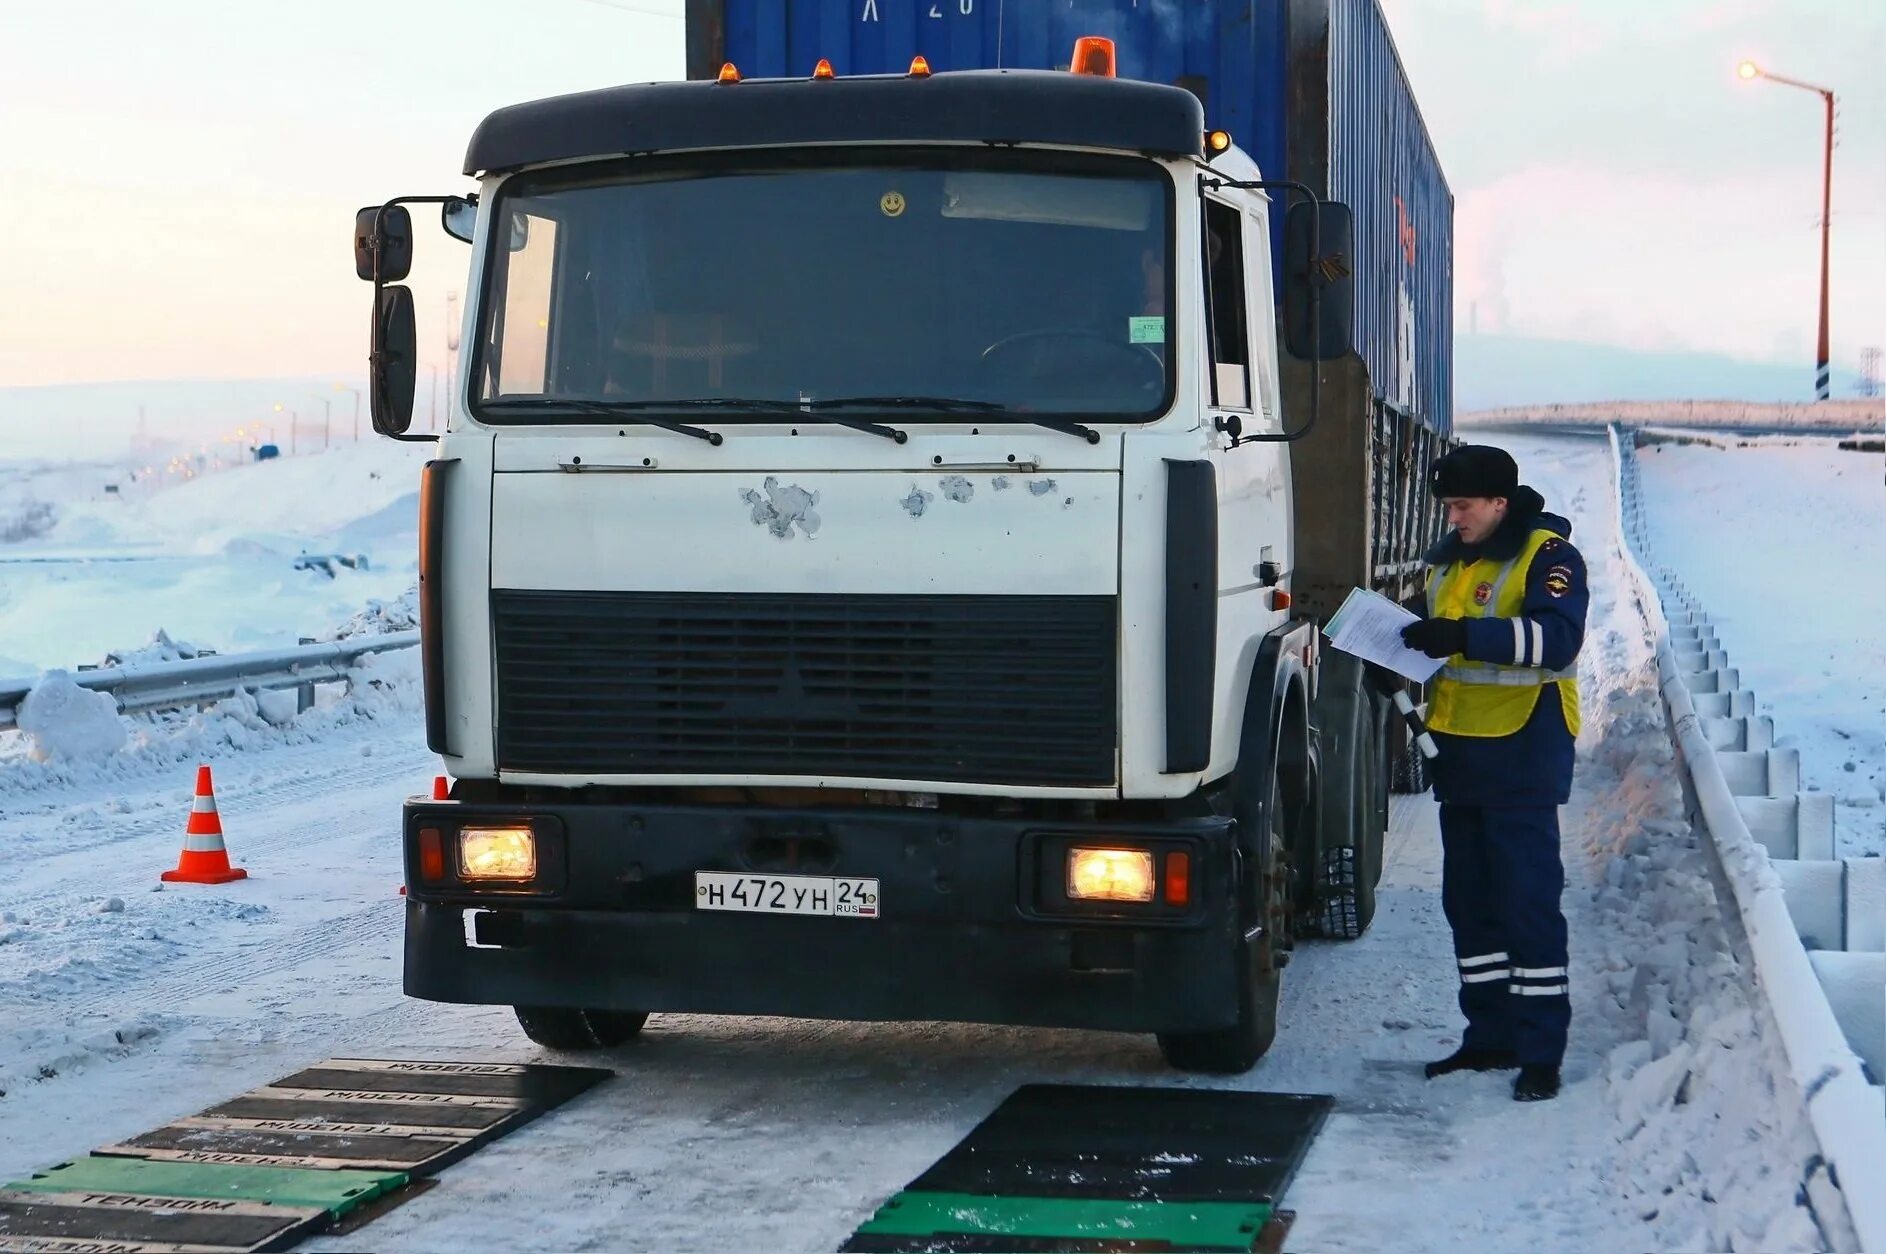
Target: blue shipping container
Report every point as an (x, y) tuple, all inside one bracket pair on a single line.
[(1312, 89)]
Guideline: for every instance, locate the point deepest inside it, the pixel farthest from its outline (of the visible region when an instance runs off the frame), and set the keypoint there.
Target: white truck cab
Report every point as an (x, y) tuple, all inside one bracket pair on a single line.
[(857, 572)]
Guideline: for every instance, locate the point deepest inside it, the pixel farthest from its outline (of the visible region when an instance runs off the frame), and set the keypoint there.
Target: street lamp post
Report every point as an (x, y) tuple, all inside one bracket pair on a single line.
[(342, 387), (294, 420), (1749, 70), (327, 422)]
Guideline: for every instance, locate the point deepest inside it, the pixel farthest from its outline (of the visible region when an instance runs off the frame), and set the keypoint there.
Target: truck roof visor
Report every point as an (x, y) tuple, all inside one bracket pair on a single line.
[(1093, 54)]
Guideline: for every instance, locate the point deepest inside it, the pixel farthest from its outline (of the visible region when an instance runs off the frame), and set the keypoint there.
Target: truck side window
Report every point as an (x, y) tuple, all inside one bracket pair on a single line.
[(522, 341), (1225, 305)]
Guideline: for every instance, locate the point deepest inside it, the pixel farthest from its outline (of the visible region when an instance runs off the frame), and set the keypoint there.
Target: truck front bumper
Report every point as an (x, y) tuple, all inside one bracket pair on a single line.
[(971, 925)]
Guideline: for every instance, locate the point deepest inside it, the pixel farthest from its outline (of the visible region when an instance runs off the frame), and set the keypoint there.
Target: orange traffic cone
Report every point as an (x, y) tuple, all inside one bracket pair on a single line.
[(204, 859)]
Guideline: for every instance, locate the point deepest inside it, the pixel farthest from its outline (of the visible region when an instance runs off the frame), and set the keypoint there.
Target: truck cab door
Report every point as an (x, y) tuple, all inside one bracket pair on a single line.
[(1240, 394)]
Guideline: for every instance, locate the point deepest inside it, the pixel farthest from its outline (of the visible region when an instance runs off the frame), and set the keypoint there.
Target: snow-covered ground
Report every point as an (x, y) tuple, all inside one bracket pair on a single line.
[(209, 561), (1784, 542), (122, 1007)]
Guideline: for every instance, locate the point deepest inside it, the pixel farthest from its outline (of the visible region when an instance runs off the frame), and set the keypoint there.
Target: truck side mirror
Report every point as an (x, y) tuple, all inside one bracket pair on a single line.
[(459, 216), (1329, 272), (395, 360), (387, 234)]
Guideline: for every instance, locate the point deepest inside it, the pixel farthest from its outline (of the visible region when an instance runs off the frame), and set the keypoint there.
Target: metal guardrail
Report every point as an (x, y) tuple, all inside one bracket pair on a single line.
[(1843, 1110), (167, 685)]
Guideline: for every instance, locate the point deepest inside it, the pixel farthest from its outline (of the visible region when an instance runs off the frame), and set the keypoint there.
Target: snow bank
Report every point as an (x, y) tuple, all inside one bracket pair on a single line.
[(1708, 1148), (382, 617), (161, 648), (1709, 1152), (1797, 597), (383, 688), (211, 560), (309, 496), (1819, 1075), (62, 721)]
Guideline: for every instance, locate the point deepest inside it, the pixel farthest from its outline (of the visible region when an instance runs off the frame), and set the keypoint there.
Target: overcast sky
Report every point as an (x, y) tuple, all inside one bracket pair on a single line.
[(179, 176)]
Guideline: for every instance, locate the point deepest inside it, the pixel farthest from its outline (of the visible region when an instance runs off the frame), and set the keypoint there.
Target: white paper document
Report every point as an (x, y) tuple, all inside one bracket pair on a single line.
[(1369, 625)]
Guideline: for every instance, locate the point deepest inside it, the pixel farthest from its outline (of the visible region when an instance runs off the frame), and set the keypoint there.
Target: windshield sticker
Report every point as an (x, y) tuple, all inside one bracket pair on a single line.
[(1146, 329), (892, 203)]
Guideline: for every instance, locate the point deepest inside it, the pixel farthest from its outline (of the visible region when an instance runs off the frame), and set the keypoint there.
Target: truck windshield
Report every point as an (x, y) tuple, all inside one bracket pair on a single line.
[(990, 282)]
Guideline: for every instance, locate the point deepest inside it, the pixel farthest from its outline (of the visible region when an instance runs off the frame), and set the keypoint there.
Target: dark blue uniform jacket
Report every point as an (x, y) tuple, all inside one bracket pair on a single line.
[(1533, 766)]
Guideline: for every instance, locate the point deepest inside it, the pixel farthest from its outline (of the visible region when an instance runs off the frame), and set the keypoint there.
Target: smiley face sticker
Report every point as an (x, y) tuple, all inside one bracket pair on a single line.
[(892, 203)]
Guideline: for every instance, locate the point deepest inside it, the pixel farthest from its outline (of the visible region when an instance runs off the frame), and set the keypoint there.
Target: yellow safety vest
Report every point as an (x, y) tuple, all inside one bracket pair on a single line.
[(1483, 698)]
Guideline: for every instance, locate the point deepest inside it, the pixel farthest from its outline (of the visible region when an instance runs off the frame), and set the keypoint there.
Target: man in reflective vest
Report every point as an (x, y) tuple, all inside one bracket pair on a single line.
[(1506, 608)]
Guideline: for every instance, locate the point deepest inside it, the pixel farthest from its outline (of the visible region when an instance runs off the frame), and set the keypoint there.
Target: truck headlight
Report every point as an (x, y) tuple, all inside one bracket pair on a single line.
[(1109, 874), (497, 853)]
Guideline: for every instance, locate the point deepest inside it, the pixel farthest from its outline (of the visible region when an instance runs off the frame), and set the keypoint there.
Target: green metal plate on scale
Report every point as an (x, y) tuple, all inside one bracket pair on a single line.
[(335, 1192), (1086, 1222), (260, 1171), (126, 1222), (1117, 1169)]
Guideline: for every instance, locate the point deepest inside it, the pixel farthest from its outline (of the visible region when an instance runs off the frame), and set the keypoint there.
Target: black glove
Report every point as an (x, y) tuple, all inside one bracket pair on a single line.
[(1436, 637)]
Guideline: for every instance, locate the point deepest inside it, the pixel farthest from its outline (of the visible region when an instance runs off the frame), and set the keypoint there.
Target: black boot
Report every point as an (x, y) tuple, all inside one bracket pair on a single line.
[(1537, 1082), (1470, 1059)]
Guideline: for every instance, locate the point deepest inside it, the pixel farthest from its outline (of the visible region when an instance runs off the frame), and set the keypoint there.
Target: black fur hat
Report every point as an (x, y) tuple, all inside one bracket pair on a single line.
[(1474, 470)]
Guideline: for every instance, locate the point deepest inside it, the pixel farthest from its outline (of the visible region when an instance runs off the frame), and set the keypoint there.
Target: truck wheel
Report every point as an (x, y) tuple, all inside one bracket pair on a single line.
[(1350, 872), (564, 1027), (1343, 904), (1411, 769), (1235, 1049), (1378, 790)]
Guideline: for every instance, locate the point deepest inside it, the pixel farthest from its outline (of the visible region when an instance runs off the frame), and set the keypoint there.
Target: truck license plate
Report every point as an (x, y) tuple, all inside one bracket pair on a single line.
[(787, 894)]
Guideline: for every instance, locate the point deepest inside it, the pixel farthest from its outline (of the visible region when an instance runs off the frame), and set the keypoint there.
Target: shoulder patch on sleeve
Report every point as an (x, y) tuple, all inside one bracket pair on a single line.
[(1558, 580)]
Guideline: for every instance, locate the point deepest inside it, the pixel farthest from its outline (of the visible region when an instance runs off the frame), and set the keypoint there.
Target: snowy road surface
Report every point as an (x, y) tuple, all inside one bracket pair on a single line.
[(122, 1008), (1785, 547)]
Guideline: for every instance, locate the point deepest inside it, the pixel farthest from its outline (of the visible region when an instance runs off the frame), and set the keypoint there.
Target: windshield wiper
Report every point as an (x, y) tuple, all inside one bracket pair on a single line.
[(628, 411), (961, 405), (770, 405), (637, 411)]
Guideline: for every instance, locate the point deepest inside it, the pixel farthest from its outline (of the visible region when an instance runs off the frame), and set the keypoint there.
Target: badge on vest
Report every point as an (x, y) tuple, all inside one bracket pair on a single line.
[(1483, 594), (1558, 580)]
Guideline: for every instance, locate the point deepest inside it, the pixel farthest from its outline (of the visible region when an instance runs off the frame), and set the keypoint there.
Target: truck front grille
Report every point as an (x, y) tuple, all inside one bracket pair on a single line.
[(971, 689)]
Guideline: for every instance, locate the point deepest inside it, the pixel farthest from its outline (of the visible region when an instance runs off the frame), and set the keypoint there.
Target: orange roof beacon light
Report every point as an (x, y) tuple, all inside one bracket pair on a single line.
[(728, 74), (1093, 54), (823, 69), (919, 67), (1217, 142)]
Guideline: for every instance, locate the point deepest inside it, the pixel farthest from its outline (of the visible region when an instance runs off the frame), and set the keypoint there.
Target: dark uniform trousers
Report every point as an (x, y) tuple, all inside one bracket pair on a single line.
[(1501, 881)]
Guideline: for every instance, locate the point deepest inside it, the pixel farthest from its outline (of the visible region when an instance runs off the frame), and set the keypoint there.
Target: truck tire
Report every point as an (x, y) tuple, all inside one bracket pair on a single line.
[(568, 1028), (1411, 769), (1235, 1049), (1340, 900), (1351, 871), (1378, 793)]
